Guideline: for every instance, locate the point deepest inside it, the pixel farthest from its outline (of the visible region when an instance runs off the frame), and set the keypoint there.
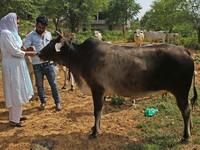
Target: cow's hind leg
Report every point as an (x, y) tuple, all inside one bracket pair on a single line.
[(184, 106), (98, 100)]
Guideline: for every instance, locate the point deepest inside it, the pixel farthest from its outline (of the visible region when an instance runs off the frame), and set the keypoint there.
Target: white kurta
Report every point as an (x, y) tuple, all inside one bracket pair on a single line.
[(13, 70)]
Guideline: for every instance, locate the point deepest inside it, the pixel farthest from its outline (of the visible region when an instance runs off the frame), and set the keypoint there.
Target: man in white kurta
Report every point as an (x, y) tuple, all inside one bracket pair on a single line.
[(13, 69)]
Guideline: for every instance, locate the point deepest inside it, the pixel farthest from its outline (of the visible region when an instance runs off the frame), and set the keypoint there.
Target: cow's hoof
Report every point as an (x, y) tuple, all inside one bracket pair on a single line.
[(71, 90), (63, 87), (184, 141), (92, 136)]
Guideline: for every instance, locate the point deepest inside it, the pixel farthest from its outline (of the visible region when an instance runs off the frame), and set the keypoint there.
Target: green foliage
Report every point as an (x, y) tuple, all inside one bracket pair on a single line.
[(116, 100), (163, 11), (75, 13), (107, 35), (4, 4), (197, 59), (191, 9), (112, 35), (190, 41), (130, 36), (119, 12), (135, 25), (82, 36), (174, 16), (26, 27), (184, 29), (26, 9)]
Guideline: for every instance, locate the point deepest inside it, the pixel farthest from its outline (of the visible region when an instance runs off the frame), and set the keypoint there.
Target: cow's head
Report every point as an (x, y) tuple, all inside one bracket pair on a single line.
[(138, 32), (55, 49)]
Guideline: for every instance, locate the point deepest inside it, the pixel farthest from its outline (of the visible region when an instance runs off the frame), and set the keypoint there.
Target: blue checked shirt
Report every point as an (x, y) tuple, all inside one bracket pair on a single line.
[(34, 39)]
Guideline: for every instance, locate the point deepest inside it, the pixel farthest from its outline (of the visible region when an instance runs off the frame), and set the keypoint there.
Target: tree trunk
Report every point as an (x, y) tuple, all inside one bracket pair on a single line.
[(170, 30), (198, 35), (56, 21), (123, 29)]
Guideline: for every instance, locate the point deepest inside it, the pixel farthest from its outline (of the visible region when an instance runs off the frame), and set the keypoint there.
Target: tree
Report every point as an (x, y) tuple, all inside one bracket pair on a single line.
[(163, 15), (4, 4), (75, 13), (166, 14), (119, 11), (54, 9), (191, 9), (148, 22), (26, 9), (80, 13)]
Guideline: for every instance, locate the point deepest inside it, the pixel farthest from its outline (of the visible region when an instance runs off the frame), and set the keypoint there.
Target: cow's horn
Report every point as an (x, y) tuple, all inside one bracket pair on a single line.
[(59, 33)]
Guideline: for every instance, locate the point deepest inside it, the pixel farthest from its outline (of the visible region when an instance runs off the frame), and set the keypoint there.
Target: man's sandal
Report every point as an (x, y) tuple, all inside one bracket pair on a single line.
[(20, 124)]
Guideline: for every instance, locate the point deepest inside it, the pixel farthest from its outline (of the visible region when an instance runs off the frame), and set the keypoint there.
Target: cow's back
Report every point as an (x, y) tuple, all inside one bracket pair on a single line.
[(129, 71), (155, 36)]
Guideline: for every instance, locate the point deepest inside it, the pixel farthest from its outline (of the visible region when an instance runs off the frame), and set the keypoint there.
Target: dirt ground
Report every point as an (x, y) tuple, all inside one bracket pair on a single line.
[(69, 128)]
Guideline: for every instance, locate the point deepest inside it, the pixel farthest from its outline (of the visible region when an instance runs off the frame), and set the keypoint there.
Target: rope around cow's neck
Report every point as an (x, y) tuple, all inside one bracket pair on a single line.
[(69, 76)]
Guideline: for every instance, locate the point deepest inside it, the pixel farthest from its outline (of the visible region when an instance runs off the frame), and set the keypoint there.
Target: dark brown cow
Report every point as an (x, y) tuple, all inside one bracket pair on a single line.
[(127, 71)]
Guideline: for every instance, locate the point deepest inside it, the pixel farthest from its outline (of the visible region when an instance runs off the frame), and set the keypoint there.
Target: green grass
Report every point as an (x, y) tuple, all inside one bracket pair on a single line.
[(164, 130)]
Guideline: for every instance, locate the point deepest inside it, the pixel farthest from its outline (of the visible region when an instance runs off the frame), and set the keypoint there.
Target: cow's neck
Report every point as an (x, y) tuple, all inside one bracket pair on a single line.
[(74, 56)]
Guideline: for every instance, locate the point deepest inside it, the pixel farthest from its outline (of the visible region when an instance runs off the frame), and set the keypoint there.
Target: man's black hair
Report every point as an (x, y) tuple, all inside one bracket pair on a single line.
[(42, 19)]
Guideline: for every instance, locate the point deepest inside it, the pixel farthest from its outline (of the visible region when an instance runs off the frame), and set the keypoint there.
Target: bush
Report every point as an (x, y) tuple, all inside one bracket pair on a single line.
[(130, 36), (190, 41), (106, 34), (112, 35), (184, 30), (82, 36)]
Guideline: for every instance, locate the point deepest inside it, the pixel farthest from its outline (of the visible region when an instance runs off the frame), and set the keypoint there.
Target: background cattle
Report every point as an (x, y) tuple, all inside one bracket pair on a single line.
[(107, 69), (173, 36), (71, 36), (153, 36), (65, 70), (138, 37), (97, 35)]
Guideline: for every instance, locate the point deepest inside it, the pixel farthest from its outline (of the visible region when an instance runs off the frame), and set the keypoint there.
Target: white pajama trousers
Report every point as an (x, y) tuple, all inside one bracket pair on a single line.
[(15, 112)]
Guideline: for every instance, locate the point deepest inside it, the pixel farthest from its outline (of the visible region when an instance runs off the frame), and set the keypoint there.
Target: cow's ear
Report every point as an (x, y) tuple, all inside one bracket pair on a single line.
[(58, 46)]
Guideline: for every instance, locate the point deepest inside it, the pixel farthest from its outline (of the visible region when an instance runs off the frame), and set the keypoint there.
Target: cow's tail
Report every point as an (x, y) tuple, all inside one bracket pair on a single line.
[(194, 99)]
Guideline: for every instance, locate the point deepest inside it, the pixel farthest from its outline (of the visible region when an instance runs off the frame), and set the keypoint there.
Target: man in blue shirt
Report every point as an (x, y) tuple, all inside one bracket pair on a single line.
[(39, 38)]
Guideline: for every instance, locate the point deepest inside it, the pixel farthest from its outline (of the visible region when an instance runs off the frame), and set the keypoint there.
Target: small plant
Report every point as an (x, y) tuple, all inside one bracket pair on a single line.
[(197, 59), (116, 100)]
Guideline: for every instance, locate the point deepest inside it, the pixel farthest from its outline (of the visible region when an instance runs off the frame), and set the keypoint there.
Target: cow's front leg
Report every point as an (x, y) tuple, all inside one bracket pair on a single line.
[(98, 99)]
